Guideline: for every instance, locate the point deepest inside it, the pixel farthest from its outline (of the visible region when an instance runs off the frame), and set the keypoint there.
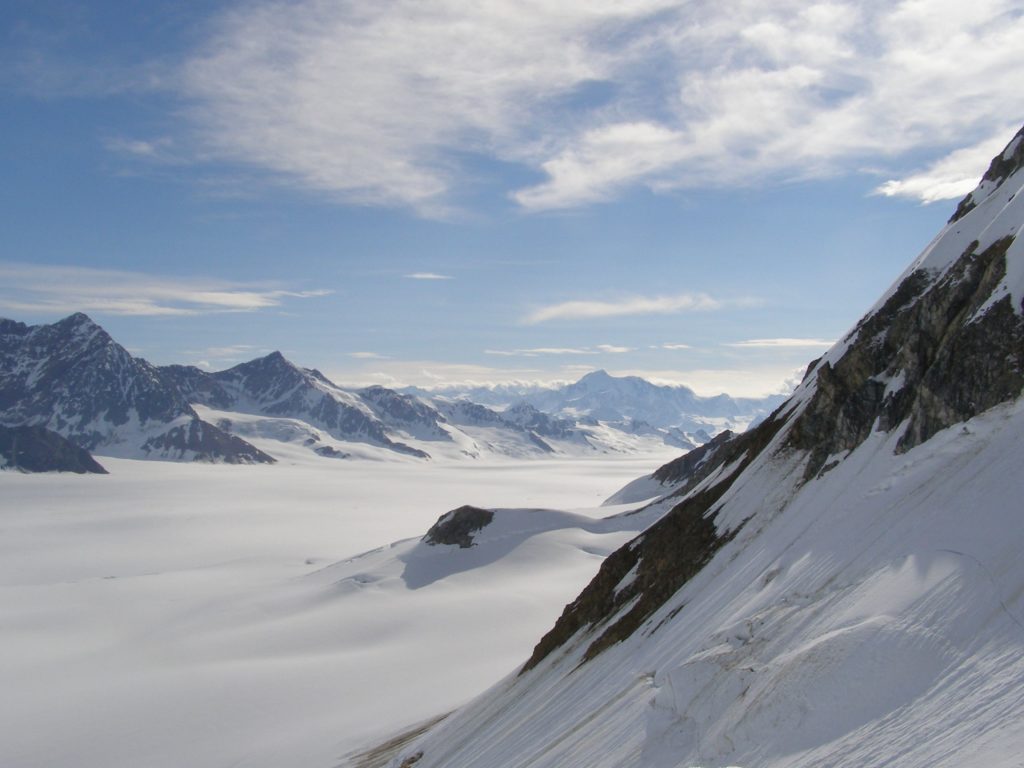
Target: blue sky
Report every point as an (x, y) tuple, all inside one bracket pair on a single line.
[(416, 192)]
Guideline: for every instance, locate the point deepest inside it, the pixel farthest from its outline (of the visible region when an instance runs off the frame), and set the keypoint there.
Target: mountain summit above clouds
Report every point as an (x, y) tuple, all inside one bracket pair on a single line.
[(841, 585)]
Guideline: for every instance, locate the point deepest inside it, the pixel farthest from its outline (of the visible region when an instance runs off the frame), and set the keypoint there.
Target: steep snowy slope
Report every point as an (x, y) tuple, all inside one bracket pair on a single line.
[(72, 378), (841, 585)]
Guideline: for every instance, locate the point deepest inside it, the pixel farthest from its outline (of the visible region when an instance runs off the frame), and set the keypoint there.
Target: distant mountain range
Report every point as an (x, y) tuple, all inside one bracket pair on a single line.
[(621, 400), (73, 379)]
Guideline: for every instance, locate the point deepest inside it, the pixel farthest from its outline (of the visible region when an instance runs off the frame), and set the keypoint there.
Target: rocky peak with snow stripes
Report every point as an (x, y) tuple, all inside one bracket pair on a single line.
[(73, 378)]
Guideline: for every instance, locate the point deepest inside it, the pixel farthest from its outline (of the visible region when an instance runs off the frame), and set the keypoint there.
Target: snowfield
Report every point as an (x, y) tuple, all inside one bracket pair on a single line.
[(208, 616)]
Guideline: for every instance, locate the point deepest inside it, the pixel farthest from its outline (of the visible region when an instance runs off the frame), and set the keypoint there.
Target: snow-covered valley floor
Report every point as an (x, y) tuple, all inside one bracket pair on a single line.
[(213, 616)]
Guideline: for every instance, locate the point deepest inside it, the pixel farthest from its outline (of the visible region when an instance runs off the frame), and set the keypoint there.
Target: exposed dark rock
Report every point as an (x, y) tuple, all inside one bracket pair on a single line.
[(35, 449), (951, 367), (458, 526), (72, 378), (198, 386), (682, 469), (207, 442), (665, 556), (405, 412), (330, 452), (540, 423)]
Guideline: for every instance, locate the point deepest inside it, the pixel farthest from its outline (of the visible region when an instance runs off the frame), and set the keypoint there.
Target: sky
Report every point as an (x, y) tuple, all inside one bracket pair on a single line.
[(436, 191)]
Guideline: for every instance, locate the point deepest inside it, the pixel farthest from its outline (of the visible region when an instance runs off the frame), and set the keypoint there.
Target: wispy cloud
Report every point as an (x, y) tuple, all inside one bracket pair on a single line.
[(673, 346), (427, 276), (600, 349), (689, 94), (781, 343), (31, 288), (951, 177), (367, 356), (156, 149), (635, 305)]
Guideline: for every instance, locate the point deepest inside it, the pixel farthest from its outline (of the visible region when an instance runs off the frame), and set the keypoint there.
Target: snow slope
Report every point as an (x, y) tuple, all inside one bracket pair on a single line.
[(170, 615), (841, 586)]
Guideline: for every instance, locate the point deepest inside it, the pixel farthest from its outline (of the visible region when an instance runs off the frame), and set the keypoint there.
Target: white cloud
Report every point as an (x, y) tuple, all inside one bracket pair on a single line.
[(153, 149), (674, 346), (607, 349), (433, 373), (367, 356), (783, 343), (426, 276), (369, 101), (950, 177), (636, 305), (35, 288), (741, 381), (382, 103)]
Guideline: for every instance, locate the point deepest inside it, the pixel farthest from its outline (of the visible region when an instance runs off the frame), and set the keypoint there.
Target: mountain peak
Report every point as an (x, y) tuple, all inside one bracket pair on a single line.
[(598, 376), (1003, 165), (77, 319), (275, 360)]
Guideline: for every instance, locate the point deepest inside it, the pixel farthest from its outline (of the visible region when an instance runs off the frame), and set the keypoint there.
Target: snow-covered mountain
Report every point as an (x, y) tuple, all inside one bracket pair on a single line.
[(841, 585), (630, 403), (71, 377), (275, 387)]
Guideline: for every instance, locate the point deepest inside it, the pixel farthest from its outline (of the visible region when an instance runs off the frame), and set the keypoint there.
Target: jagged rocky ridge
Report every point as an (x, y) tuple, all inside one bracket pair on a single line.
[(943, 346), (274, 386), (71, 377)]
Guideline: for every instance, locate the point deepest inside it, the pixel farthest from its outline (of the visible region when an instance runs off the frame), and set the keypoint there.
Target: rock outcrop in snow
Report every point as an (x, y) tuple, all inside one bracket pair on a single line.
[(458, 526)]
